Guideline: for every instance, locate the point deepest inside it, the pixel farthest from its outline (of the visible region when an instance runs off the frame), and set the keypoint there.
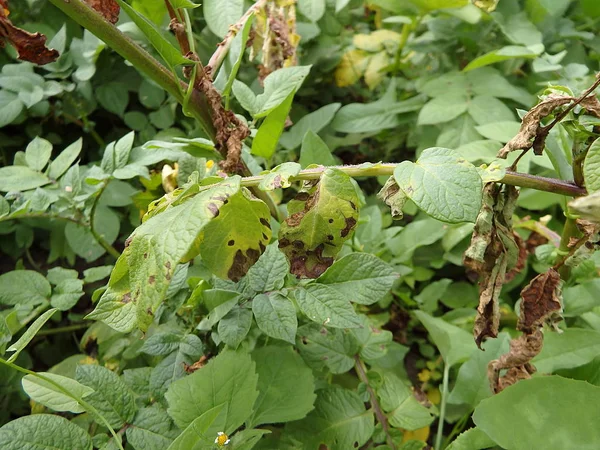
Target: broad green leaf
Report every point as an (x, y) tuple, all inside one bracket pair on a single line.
[(361, 277), (113, 97), (201, 433), (269, 272), (312, 9), (499, 131), (167, 51), (4, 207), (517, 27), (531, 410), (10, 107), (221, 14), (472, 439), (163, 343), (41, 391), (151, 429), (285, 384), (43, 431), (21, 178), (442, 184), (236, 237), (26, 338), (245, 96), (339, 421), (234, 326), (486, 109), (581, 298), (315, 151), (326, 306), (111, 397), (248, 438), (229, 378), (321, 218), (96, 273), (38, 153), (275, 315), (279, 176), (117, 153), (314, 121), (502, 54), (82, 241), (64, 159), (183, 4), (591, 167), (21, 287), (443, 109), (66, 294), (278, 87), (572, 348), (327, 347), (455, 344), (267, 136), (472, 384), (402, 408)]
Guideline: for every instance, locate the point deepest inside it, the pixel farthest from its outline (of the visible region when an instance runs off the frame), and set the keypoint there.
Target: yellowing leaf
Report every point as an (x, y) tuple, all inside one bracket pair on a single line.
[(351, 67), (377, 41), (374, 73)]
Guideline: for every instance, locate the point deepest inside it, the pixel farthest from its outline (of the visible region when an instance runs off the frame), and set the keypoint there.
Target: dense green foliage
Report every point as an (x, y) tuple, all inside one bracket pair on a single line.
[(307, 251)]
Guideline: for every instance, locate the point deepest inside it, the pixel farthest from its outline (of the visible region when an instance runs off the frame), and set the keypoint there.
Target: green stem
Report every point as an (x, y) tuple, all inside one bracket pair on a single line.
[(85, 16), (99, 238), (440, 430), (361, 371), (66, 329), (79, 400), (570, 231), (387, 169)]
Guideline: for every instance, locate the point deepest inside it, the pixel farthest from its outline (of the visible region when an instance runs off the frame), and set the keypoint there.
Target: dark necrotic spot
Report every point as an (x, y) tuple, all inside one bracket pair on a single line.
[(145, 255), (330, 220), (330, 237), (353, 206), (265, 237), (126, 298), (298, 244), (350, 222), (284, 242), (168, 265), (262, 247), (237, 269), (231, 243), (253, 255), (265, 222), (213, 208), (302, 196), (151, 279)]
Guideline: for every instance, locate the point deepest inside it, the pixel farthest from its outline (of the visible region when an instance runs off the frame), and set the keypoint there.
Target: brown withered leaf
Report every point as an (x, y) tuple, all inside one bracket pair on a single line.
[(109, 9), (394, 197), (517, 361), (30, 46), (540, 301)]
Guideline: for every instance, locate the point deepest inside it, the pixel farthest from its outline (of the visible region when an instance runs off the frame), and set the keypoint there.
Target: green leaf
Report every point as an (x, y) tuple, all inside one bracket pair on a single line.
[(26, 338), (361, 277), (486, 109), (572, 348), (96, 273), (285, 384), (117, 153), (22, 287), (111, 397), (324, 347), (228, 379), (234, 327), (167, 51), (113, 97), (183, 4), (499, 131), (326, 306), (243, 41), (443, 108), (455, 344), (267, 136), (245, 96), (430, 5), (82, 241), (221, 14), (312, 9), (66, 294), (314, 121), (4, 207), (43, 431), (472, 439), (472, 384), (315, 151), (40, 391), (402, 408), (442, 184), (152, 429), (10, 107), (339, 421), (269, 272), (321, 218), (161, 344), (201, 433), (531, 410), (64, 160), (279, 176), (502, 54), (236, 237), (278, 87), (581, 298), (21, 178), (591, 167), (37, 153), (275, 315)]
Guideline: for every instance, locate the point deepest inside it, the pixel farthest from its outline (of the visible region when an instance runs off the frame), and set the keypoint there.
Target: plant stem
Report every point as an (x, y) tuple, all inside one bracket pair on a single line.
[(361, 371), (440, 430), (85, 16), (387, 169), (66, 329), (79, 400), (570, 230), (99, 238)]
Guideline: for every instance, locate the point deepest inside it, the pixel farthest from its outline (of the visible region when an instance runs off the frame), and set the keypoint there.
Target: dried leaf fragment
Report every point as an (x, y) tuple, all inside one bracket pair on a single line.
[(109, 9), (541, 300), (30, 46)]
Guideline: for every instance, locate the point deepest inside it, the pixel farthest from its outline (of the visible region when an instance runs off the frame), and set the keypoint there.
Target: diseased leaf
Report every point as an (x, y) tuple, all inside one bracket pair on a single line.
[(327, 347), (591, 167), (30, 46), (279, 177), (109, 9)]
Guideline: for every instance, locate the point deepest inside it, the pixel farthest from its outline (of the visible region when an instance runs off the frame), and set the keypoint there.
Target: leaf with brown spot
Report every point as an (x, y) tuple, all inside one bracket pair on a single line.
[(30, 46), (109, 9), (321, 219), (394, 197), (541, 300)]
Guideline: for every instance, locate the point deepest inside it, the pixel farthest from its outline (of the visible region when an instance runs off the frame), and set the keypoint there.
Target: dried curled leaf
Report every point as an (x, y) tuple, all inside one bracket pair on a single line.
[(394, 197), (109, 9), (587, 207), (30, 46), (541, 301)]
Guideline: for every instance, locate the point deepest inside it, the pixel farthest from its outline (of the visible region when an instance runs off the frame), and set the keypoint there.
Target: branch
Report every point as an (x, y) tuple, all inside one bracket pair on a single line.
[(546, 184)]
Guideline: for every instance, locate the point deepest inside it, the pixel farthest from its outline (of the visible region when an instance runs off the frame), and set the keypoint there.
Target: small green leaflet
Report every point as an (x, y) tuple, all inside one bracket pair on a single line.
[(591, 167), (326, 306), (275, 315), (442, 184), (41, 391), (278, 86), (329, 348), (26, 338), (279, 177)]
